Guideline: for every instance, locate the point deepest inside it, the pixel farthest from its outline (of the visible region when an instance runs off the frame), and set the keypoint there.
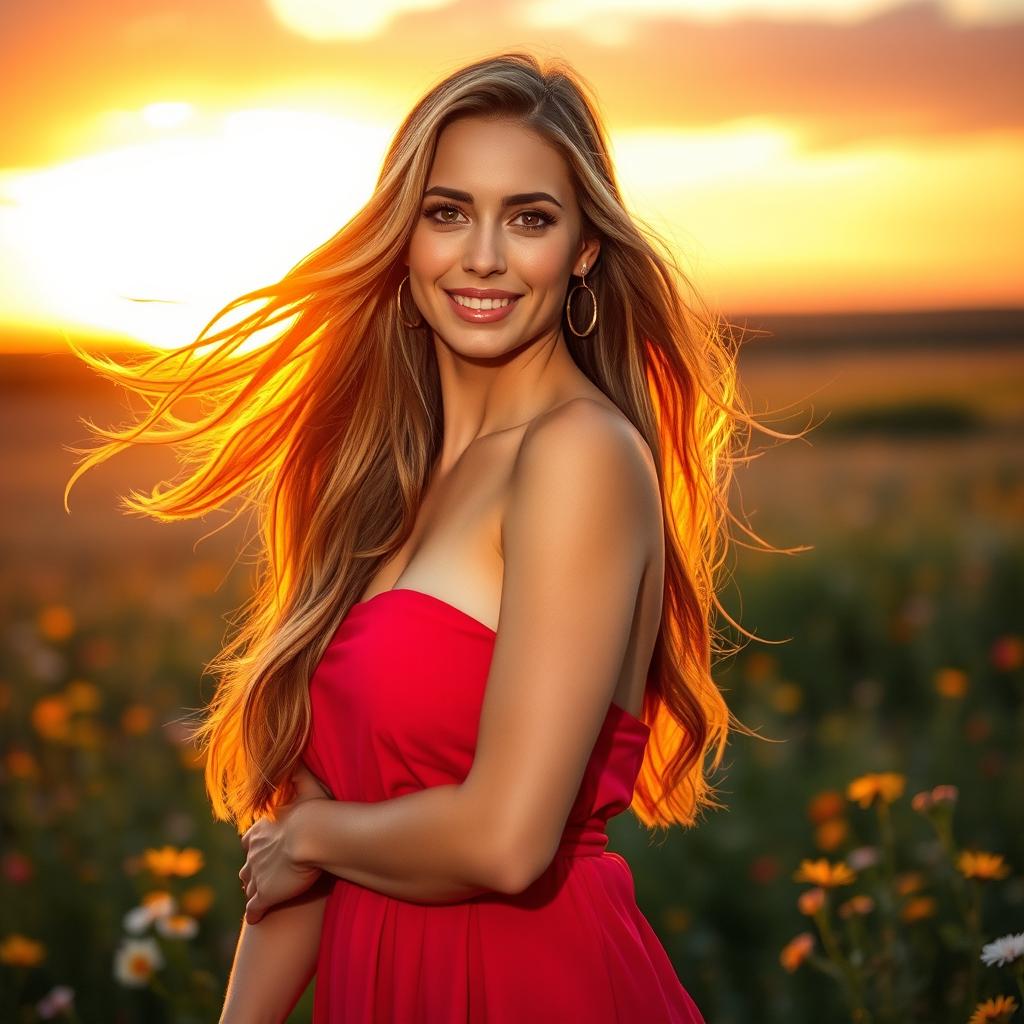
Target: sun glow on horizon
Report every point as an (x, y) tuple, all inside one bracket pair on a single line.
[(148, 239)]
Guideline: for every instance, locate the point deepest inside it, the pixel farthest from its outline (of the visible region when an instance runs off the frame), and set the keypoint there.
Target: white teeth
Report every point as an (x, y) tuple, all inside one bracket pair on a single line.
[(465, 300)]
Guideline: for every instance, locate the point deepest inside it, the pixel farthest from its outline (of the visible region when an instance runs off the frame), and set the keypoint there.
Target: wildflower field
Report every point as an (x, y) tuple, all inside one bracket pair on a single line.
[(869, 866)]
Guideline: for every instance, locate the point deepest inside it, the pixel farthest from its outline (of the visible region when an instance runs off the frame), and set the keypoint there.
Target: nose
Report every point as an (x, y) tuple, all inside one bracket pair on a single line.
[(484, 253)]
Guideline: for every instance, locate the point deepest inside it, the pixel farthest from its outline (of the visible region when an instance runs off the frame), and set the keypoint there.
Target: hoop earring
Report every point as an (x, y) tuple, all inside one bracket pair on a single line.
[(593, 299), (402, 320)]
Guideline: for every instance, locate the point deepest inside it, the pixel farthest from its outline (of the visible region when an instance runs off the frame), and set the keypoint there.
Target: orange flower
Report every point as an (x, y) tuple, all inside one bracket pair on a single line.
[(811, 901), (994, 1011), (886, 786), (796, 951), (917, 908), (827, 804), (197, 900), (951, 682), (758, 667), (136, 719), (50, 717), (21, 764), (158, 901), (21, 951), (168, 861), (830, 835), (984, 866), (821, 872), (908, 882), (859, 904), (56, 622)]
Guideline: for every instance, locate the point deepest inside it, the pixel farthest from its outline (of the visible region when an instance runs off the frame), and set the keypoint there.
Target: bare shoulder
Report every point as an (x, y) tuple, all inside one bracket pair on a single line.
[(594, 433), (592, 448)]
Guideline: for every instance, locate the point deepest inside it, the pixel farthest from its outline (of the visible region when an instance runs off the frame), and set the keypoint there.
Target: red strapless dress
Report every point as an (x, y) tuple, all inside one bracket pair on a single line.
[(396, 703)]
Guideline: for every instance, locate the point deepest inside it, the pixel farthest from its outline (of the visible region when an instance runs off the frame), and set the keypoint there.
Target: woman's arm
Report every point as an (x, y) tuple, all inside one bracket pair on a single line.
[(430, 846), (276, 958)]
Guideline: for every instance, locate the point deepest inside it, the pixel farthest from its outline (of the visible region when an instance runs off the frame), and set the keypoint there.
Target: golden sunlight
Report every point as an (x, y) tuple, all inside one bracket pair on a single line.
[(316, 19), (149, 240)]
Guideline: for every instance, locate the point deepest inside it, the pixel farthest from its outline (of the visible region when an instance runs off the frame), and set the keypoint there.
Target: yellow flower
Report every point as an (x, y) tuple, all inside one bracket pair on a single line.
[(81, 695), (866, 789), (21, 951), (917, 908), (786, 697), (168, 861), (951, 682), (796, 951), (994, 1011), (811, 901), (87, 733), (820, 872), (985, 866)]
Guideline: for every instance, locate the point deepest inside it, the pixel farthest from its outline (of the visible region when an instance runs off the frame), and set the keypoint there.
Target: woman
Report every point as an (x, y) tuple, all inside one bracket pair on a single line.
[(491, 449)]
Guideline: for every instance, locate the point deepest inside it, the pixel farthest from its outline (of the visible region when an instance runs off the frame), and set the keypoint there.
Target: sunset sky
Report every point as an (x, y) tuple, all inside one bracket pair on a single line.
[(159, 158)]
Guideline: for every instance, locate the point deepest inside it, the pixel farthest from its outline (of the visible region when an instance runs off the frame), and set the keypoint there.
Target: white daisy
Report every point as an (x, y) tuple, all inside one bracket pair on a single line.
[(137, 920), (136, 960), (1004, 950)]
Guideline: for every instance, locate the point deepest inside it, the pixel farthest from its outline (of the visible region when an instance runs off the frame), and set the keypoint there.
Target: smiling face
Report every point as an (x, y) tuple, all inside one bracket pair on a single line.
[(496, 239)]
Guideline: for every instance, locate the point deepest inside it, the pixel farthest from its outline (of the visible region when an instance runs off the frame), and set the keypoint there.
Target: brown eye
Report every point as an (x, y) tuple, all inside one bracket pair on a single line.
[(545, 220)]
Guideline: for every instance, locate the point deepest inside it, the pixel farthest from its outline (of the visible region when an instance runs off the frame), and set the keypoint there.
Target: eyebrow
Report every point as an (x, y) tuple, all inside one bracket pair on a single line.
[(465, 197)]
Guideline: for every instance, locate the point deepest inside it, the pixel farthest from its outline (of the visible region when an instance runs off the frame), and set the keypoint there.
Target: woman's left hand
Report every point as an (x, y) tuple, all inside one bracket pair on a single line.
[(271, 874)]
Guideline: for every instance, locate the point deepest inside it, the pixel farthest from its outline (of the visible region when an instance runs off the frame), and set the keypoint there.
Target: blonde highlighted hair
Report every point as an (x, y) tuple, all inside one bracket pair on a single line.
[(330, 430)]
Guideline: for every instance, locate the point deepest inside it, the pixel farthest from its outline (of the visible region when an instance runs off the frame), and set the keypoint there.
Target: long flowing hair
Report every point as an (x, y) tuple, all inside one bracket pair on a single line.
[(329, 431)]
